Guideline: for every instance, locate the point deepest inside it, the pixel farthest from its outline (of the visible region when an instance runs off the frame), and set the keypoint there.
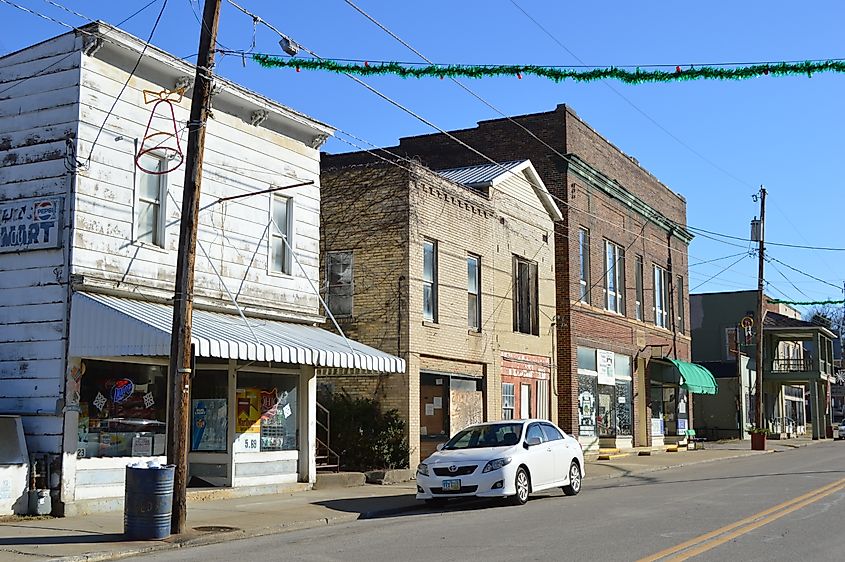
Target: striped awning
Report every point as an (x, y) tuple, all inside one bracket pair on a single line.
[(107, 326)]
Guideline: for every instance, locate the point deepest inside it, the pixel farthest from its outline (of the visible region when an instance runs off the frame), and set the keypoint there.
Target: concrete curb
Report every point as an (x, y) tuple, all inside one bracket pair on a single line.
[(671, 466)]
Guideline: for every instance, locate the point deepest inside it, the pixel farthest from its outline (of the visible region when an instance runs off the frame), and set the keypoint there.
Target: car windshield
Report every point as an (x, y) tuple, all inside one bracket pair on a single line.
[(481, 436)]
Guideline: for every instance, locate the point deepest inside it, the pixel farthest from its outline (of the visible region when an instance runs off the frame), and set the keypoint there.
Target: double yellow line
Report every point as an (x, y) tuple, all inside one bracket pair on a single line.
[(708, 541)]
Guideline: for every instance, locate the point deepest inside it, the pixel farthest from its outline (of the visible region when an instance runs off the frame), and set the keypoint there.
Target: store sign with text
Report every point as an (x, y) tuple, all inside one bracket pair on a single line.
[(30, 224), (607, 371)]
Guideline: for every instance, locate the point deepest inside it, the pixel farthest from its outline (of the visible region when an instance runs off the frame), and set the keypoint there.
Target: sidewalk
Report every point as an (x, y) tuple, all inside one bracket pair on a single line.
[(99, 537)]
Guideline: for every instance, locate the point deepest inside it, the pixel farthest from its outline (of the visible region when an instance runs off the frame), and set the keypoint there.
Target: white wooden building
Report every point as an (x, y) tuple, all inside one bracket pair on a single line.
[(87, 264)]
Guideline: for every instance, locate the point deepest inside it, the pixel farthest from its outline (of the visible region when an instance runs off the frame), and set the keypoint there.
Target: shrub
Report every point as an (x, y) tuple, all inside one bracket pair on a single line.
[(365, 437)]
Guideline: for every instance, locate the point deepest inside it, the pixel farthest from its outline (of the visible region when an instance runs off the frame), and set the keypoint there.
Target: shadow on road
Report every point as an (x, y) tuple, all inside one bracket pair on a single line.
[(82, 538)]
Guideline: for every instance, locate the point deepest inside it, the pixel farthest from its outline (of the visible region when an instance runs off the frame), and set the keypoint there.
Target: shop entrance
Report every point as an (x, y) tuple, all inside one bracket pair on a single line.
[(448, 403)]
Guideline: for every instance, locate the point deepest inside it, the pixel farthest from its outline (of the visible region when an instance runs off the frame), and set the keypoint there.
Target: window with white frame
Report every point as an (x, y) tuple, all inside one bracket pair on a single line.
[(474, 292), (508, 400), (679, 290), (584, 261), (638, 276), (280, 234), (339, 280), (526, 296), (614, 277), (150, 210), (661, 297), (430, 280)]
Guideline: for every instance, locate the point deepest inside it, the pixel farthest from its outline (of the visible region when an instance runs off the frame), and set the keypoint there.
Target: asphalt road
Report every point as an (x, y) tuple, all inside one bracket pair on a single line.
[(780, 506)]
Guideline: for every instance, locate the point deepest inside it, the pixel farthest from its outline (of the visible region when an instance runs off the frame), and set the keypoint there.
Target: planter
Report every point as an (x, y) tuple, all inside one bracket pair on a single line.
[(758, 441)]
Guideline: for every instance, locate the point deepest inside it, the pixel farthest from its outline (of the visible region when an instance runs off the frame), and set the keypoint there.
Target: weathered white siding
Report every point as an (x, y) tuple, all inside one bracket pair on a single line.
[(38, 111), (239, 158)]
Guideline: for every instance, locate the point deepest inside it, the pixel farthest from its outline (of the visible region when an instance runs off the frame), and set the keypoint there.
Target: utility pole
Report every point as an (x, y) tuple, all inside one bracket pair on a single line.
[(760, 310), (180, 343)]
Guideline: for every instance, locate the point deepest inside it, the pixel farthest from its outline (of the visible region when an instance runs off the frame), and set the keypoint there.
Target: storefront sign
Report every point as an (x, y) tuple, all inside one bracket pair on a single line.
[(606, 369), (656, 426), (682, 425), (247, 443), (30, 224), (142, 446), (527, 366)]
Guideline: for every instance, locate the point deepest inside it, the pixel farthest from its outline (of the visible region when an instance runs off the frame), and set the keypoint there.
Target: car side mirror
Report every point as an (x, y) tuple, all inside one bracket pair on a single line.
[(439, 446), (531, 441)]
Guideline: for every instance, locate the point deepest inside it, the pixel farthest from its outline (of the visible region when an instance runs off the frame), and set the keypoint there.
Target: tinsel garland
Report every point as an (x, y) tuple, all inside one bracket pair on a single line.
[(557, 74), (803, 303)]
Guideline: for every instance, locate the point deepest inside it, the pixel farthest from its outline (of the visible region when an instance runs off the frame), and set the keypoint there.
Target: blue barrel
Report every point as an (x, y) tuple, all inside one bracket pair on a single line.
[(148, 502)]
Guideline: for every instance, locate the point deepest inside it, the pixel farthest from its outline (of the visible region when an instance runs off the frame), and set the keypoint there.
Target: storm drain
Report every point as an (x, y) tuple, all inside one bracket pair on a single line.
[(215, 529)]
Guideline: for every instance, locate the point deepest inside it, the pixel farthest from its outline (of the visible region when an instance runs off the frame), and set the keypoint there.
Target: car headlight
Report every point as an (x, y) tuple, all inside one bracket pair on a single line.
[(422, 468), (496, 464)]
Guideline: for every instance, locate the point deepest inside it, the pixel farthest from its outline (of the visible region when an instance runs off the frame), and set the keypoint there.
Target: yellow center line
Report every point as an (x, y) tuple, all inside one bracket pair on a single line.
[(750, 527), (809, 497)]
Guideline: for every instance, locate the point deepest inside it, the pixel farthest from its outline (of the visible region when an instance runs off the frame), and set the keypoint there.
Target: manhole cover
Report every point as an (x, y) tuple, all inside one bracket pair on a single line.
[(215, 529)]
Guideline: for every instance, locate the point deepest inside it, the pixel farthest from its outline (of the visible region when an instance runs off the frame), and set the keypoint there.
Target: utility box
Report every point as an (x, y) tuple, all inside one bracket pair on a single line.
[(14, 467)]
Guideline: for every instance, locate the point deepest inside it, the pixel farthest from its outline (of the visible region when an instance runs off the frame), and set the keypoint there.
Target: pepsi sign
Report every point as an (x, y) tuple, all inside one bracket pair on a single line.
[(30, 224)]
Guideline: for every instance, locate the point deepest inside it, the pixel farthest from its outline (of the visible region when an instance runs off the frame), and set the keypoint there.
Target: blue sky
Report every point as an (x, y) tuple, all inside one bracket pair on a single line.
[(713, 142)]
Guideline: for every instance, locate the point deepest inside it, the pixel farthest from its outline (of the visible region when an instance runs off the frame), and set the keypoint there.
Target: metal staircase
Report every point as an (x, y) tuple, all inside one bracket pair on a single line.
[(327, 459)]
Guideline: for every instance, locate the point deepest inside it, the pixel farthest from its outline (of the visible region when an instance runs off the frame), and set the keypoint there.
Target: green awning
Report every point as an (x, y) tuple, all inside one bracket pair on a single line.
[(696, 379)]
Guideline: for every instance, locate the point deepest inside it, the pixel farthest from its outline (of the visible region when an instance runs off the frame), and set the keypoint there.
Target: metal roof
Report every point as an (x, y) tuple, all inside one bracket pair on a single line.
[(107, 326), (479, 175)]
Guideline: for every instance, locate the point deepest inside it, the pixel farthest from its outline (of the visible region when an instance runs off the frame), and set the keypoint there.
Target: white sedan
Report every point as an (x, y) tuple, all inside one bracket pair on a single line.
[(503, 459)]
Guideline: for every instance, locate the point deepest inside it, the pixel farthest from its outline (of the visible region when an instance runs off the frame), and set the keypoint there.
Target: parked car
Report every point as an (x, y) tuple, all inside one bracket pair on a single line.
[(503, 459)]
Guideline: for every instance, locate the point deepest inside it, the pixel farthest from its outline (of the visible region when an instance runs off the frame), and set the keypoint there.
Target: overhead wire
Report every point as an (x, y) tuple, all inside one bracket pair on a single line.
[(692, 290), (632, 104)]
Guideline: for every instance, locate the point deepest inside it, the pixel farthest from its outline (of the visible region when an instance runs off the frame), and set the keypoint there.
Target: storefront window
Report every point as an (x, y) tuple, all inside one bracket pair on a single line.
[(587, 390), (623, 408), (267, 416), (210, 411), (122, 410)]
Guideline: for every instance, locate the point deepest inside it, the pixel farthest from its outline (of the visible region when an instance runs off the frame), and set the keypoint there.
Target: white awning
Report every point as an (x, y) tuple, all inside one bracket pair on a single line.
[(106, 326)]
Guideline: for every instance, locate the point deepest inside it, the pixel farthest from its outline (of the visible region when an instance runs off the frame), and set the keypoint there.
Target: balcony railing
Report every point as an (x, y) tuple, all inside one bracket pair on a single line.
[(791, 365)]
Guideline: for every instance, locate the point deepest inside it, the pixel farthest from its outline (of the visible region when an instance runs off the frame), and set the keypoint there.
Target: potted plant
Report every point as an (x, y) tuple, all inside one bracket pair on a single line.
[(758, 438)]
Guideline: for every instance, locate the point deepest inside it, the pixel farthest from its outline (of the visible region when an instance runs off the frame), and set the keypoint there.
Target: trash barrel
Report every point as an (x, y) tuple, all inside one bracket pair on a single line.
[(148, 502)]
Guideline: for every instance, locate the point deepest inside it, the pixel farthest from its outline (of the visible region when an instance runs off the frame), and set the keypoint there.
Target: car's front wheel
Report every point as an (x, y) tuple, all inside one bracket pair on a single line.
[(522, 482), (574, 485)]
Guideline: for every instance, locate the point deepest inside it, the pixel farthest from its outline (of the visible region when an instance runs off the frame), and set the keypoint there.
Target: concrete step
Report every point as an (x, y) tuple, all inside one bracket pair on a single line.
[(608, 450), (672, 449), (326, 480)]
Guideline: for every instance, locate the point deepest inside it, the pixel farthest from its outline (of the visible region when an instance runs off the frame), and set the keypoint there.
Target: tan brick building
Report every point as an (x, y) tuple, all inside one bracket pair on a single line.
[(453, 271), (621, 266)]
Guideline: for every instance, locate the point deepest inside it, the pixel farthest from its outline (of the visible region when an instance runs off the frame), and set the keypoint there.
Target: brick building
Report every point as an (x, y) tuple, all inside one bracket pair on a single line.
[(621, 271), (452, 270)]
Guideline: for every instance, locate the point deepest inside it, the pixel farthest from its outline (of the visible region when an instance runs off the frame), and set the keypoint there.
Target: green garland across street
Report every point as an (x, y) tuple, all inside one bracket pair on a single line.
[(558, 74), (802, 303)]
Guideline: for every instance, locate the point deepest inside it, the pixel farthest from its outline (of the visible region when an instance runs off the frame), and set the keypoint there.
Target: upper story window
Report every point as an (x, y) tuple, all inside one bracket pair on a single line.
[(150, 209), (526, 296), (638, 282), (340, 283), (614, 277), (661, 297), (679, 290), (474, 293), (430, 280), (280, 234), (584, 261)]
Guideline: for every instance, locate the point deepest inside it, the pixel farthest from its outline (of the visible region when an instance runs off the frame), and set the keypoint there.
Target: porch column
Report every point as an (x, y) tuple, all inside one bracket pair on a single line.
[(307, 424), (815, 403)]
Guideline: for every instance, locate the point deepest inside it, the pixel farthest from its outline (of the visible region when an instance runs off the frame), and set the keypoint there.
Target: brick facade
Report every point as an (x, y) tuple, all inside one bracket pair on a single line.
[(600, 188), (383, 214)]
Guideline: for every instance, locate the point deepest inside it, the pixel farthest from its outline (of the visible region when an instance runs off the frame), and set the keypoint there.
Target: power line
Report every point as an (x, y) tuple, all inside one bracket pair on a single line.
[(837, 287), (629, 102), (125, 84), (782, 244), (716, 259), (719, 273)]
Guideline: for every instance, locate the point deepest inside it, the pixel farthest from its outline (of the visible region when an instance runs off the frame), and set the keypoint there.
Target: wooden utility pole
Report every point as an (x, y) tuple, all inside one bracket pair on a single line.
[(760, 310), (180, 344)]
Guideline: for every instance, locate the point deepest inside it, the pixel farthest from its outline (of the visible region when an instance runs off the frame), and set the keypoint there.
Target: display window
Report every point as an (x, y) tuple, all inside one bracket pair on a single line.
[(122, 410), (210, 411), (267, 413)]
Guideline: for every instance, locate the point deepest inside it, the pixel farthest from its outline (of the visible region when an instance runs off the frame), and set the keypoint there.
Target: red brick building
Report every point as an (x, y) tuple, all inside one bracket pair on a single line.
[(621, 271)]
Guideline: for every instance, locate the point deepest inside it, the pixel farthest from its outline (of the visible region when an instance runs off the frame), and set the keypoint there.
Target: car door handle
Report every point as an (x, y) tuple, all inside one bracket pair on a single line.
[(549, 450)]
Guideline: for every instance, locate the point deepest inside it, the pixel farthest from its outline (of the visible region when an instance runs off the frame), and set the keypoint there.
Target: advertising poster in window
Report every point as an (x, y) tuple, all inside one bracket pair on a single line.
[(210, 424), (606, 367), (249, 412)]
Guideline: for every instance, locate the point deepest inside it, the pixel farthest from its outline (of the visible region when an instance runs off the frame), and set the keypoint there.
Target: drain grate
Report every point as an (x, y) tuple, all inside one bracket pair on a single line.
[(215, 529)]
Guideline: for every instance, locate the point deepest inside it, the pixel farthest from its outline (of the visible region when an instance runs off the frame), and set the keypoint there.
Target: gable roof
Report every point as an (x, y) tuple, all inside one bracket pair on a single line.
[(488, 175)]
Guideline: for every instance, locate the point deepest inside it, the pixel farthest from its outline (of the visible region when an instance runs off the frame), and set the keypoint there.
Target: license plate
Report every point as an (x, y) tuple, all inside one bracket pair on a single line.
[(451, 485)]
